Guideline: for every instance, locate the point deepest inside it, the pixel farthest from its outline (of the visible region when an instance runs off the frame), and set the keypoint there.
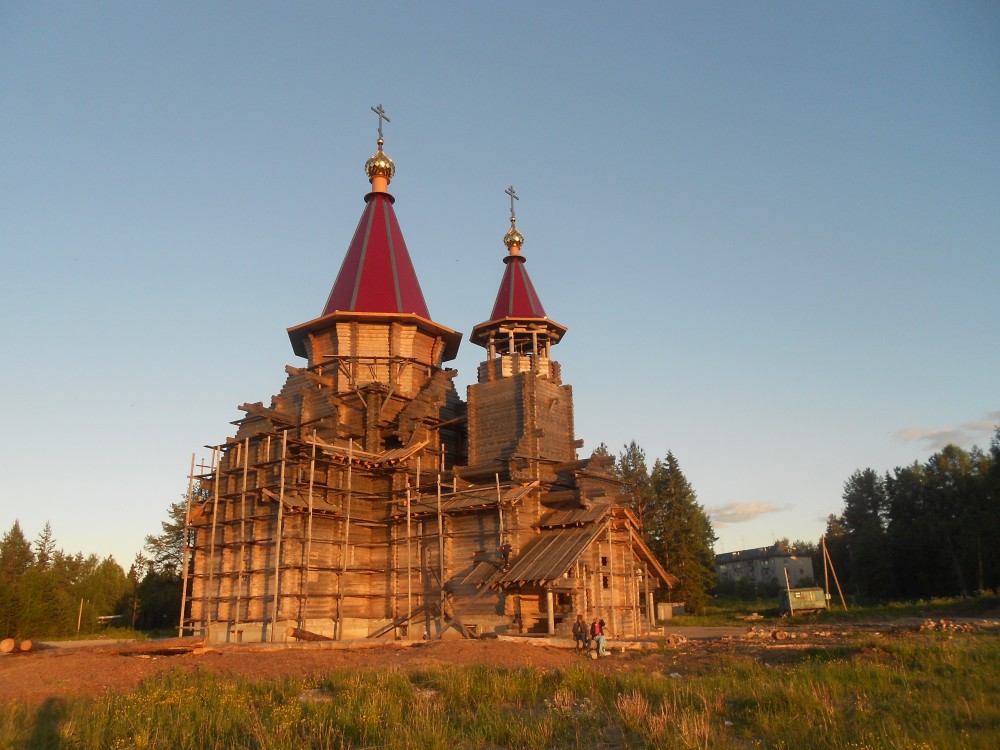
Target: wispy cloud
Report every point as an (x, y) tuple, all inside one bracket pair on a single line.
[(965, 435), (742, 512)]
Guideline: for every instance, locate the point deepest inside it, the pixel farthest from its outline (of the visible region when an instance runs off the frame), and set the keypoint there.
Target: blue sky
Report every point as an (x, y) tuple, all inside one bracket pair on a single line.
[(772, 229)]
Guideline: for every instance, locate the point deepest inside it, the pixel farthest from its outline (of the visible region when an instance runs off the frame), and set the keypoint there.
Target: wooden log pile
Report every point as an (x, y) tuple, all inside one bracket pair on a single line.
[(10, 646)]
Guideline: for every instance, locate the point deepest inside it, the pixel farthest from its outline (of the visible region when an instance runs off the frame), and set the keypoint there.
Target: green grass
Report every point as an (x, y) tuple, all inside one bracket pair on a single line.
[(726, 611), (926, 691), (117, 634)]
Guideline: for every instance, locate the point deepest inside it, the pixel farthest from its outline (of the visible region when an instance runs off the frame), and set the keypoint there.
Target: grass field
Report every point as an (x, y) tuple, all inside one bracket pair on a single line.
[(726, 611), (932, 690)]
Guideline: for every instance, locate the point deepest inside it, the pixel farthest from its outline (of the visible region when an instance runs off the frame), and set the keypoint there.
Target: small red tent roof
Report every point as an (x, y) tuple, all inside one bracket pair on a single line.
[(377, 274), (517, 304), (517, 297)]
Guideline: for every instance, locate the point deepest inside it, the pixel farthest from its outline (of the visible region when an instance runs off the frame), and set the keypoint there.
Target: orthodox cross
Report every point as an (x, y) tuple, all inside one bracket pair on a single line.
[(513, 197), (381, 116)]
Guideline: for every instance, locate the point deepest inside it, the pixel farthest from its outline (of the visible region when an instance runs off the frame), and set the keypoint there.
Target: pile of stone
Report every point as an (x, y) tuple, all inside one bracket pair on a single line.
[(768, 633)]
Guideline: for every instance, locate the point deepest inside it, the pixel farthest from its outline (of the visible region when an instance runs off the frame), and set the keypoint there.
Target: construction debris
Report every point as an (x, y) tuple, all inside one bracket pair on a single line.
[(306, 635), (768, 633), (947, 626)]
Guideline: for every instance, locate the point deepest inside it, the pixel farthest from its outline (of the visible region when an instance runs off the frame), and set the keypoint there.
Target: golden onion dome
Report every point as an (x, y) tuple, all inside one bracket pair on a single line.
[(380, 165), (513, 237)]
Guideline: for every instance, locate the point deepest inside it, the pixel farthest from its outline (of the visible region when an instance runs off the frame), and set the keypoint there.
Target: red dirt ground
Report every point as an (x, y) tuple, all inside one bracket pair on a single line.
[(93, 670)]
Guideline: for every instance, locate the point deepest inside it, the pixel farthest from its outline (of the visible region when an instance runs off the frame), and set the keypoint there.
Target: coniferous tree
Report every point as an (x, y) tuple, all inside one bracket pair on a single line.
[(41, 591), (129, 606), (930, 529), (15, 554), (15, 559), (988, 545), (680, 533), (634, 476), (865, 510), (165, 549), (159, 591), (45, 547), (836, 547)]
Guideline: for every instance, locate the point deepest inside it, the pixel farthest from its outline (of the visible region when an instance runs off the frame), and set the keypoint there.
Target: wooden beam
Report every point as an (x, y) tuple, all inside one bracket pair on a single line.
[(311, 376), (216, 460), (305, 635), (258, 409), (184, 552), (347, 531), (277, 541)]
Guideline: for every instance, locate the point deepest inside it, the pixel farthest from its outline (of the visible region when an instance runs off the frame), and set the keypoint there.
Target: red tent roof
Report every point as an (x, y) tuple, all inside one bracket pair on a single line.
[(517, 303), (377, 274), (517, 297)]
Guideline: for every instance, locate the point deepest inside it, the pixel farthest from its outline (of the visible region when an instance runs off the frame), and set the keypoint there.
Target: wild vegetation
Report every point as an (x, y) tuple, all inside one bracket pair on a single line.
[(48, 593), (924, 691), (922, 530)]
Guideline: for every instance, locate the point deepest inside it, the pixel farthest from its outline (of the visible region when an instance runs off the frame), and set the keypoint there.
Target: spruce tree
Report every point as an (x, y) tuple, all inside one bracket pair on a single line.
[(634, 476), (680, 533), (15, 559), (45, 547), (15, 554)]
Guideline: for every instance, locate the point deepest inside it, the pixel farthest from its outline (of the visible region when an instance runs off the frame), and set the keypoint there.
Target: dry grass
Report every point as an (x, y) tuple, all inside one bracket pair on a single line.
[(930, 691)]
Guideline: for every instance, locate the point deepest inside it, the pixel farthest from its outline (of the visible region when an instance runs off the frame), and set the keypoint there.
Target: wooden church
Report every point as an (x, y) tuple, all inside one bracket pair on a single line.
[(368, 500)]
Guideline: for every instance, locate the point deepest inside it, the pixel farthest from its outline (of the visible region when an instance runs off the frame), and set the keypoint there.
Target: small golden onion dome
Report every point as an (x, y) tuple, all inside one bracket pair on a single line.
[(513, 237), (380, 165)]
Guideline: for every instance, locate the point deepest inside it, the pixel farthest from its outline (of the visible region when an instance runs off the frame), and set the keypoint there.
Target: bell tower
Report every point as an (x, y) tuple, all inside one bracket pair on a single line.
[(520, 413)]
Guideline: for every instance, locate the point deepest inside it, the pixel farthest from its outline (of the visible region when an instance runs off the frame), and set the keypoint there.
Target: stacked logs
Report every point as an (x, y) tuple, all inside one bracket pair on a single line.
[(9, 646)]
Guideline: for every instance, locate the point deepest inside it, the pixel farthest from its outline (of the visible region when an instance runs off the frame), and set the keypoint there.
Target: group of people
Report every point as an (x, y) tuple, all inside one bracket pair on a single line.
[(584, 635)]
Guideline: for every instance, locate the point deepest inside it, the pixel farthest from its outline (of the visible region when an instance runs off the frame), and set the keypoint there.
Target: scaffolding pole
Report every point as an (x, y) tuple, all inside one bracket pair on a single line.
[(184, 551), (828, 559), (440, 545), (649, 602), (243, 529), (499, 510), (347, 530), (409, 563), (611, 581), (304, 613), (277, 541), (209, 597), (633, 586)]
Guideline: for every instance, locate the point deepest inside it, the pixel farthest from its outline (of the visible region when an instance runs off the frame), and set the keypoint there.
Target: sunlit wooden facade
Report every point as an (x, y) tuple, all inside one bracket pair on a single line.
[(368, 499)]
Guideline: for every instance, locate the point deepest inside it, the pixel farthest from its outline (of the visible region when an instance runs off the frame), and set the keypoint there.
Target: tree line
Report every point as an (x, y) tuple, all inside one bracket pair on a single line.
[(48, 593), (923, 530)]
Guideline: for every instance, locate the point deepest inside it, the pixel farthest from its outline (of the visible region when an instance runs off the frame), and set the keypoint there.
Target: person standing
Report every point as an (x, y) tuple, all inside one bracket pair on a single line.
[(580, 634), (597, 632)]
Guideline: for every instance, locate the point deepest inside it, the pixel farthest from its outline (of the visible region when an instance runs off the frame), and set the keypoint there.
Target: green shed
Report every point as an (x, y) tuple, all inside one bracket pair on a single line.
[(798, 601)]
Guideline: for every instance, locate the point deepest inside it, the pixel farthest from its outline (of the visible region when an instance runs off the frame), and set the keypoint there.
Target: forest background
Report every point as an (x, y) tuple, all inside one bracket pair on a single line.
[(920, 531)]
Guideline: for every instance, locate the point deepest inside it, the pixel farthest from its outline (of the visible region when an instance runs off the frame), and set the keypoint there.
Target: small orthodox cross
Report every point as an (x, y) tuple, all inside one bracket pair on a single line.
[(513, 197), (381, 116)]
